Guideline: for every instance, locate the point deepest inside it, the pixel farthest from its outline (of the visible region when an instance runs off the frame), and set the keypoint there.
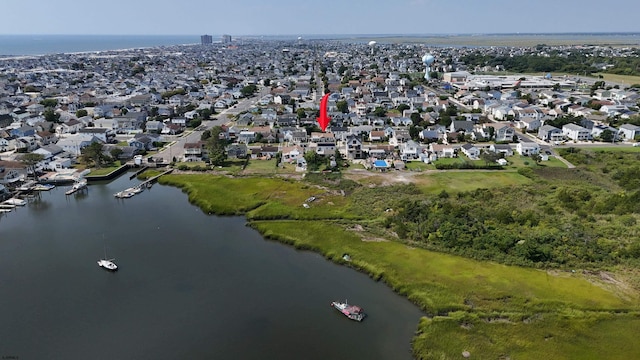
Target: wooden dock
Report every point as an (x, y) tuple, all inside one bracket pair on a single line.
[(77, 186), (152, 179), (130, 192)]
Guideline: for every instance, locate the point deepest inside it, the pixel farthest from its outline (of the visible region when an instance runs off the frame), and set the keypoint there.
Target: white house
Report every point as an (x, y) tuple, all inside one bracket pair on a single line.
[(528, 148), (550, 133), (291, 153), (74, 143), (103, 123), (442, 151), (576, 132), (410, 150), (470, 150)]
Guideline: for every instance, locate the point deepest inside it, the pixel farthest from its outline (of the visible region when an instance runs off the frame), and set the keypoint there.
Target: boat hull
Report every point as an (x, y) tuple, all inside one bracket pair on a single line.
[(351, 311), (107, 265)]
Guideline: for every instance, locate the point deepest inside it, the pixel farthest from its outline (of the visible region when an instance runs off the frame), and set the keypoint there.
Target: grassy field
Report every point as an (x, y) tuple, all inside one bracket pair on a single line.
[(551, 337), (504, 39), (493, 311), (419, 166), (632, 149), (103, 171), (626, 80), (518, 161), (465, 180)]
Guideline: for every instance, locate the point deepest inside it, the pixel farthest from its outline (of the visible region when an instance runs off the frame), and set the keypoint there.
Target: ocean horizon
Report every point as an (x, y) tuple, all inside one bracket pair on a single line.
[(46, 44), (34, 45)]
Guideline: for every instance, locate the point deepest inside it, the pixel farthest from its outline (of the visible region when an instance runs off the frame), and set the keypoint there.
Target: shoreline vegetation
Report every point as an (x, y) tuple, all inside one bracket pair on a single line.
[(478, 307), (480, 40)]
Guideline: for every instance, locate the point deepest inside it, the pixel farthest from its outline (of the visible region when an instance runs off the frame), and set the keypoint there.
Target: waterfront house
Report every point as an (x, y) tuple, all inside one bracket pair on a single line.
[(237, 151), (144, 141), (75, 142), (194, 151), (12, 172), (49, 151)]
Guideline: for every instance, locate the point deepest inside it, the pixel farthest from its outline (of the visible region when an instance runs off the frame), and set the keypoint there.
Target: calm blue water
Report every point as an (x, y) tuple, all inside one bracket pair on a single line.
[(189, 286), (54, 44)]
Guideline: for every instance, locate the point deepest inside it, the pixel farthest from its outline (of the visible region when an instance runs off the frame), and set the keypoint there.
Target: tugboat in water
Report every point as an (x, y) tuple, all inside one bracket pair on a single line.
[(351, 311)]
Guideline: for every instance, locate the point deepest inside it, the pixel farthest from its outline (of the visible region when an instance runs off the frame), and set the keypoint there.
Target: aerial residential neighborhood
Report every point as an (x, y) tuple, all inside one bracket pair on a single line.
[(265, 95), (406, 180)]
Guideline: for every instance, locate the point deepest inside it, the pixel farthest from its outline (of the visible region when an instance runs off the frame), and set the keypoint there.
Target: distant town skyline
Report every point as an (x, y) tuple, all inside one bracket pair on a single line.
[(296, 17)]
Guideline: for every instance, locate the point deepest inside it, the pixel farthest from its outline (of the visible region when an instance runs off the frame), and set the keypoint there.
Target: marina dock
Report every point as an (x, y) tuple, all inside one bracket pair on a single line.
[(77, 186), (130, 192)]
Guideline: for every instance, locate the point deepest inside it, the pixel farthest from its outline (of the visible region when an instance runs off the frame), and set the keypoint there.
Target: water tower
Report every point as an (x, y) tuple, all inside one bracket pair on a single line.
[(372, 45), (427, 60)]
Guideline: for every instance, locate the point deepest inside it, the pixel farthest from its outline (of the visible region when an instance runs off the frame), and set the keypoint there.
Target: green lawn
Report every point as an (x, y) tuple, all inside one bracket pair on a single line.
[(419, 166), (518, 161), (191, 164), (447, 161), (267, 167), (627, 80), (103, 171)]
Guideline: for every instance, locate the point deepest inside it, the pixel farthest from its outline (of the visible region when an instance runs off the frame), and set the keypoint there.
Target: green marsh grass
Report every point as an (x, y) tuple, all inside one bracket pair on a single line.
[(494, 311), (467, 180)]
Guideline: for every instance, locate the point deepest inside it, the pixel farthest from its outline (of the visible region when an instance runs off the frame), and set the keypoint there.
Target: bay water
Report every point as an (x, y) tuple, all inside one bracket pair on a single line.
[(189, 286)]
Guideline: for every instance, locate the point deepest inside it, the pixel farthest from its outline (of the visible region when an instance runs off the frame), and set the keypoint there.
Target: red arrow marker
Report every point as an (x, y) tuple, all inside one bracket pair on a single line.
[(324, 119)]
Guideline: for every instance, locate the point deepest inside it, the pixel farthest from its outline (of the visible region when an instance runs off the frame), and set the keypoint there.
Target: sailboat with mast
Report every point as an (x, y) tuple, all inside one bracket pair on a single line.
[(107, 263)]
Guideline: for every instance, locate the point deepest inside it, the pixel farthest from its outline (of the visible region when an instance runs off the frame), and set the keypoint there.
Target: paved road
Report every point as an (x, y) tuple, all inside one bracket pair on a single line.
[(176, 145)]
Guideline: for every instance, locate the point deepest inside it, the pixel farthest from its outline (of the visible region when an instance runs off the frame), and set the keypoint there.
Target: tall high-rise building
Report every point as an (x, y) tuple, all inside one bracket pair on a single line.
[(206, 40), (226, 39)]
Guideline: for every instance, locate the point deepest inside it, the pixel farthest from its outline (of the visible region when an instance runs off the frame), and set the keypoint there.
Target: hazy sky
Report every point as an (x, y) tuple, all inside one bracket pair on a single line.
[(290, 17)]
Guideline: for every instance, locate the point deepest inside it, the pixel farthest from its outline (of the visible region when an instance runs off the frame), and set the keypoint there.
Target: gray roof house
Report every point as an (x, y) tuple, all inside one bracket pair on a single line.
[(629, 131), (550, 133)]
